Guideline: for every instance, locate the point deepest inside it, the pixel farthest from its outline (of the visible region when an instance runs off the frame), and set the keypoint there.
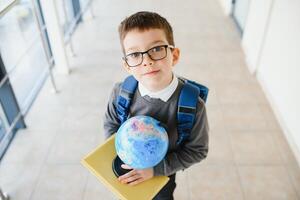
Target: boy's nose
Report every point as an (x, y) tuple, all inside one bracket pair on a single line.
[(147, 60)]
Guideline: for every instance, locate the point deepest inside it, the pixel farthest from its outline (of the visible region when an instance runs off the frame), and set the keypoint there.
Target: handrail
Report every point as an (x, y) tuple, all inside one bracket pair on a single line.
[(6, 8)]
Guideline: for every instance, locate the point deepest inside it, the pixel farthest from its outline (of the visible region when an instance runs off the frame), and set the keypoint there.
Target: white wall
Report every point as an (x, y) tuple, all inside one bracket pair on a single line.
[(271, 42), (254, 33), (278, 69), (240, 12)]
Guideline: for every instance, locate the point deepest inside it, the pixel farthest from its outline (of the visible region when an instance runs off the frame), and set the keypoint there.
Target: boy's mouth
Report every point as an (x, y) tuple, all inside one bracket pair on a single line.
[(152, 72)]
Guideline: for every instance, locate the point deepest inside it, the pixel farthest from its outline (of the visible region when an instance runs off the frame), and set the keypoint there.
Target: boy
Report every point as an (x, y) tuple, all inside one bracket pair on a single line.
[(149, 55)]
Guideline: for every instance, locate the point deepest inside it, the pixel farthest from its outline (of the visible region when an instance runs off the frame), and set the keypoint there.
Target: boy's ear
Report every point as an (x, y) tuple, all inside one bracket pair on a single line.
[(176, 55)]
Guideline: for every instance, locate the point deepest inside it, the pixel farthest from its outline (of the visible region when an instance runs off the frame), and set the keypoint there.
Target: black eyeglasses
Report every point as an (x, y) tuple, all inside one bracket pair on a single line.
[(155, 53)]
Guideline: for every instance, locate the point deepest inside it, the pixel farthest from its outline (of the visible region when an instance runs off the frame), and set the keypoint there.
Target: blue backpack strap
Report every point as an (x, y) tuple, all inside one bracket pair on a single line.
[(126, 94), (186, 111), (203, 90), (187, 107)]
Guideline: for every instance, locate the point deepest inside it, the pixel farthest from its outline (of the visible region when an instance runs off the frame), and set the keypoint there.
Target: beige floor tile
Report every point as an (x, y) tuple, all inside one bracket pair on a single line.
[(233, 78), (19, 180), (182, 186), (259, 94), (215, 117), (84, 120), (29, 146), (240, 93), (254, 148), (45, 118), (294, 172), (247, 117), (286, 153), (189, 58), (70, 147), (195, 72), (227, 62), (272, 122), (212, 98), (214, 182), (220, 150), (61, 182), (266, 182), (210, 43)]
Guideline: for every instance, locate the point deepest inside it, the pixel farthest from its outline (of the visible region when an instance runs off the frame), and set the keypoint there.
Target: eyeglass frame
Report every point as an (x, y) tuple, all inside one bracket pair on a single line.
[(146, 52)]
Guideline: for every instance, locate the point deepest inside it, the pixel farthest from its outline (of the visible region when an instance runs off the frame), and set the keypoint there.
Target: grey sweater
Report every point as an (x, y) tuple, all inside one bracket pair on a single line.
[(193, 150)]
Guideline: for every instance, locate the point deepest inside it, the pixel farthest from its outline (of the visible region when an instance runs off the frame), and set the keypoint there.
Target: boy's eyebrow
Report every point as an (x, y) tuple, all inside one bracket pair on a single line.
[(157, 41), (151, 44)]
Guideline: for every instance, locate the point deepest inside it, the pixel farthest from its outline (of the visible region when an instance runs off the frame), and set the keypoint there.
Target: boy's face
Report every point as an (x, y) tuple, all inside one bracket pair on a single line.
[(154, 75)]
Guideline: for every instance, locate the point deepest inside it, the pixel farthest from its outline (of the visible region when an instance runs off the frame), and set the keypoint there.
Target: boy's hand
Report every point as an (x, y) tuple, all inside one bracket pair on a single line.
[(136, 176)]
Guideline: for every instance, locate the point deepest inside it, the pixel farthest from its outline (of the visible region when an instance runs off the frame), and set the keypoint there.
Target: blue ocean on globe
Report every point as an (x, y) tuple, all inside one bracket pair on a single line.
[(141, 142)]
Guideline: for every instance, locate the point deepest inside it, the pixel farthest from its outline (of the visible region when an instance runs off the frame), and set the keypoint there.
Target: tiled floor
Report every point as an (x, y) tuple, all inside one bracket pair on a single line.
[(249, 157)]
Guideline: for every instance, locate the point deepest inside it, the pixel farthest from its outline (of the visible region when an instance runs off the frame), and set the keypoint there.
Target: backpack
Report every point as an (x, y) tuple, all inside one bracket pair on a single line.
[(186, 109)]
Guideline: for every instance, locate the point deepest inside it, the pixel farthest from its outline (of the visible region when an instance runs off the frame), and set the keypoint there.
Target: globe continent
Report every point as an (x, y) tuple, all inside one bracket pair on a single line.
[(141, 142)]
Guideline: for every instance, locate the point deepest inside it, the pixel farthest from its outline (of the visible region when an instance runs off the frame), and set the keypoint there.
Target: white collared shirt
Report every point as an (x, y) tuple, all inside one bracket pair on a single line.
[(163, 94)]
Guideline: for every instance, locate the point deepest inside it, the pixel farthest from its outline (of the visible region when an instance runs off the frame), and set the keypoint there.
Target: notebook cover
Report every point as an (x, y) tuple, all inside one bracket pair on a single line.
[(99, 162)]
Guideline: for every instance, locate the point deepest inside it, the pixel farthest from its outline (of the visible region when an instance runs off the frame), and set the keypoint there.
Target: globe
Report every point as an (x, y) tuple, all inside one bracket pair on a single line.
[(141, 142)]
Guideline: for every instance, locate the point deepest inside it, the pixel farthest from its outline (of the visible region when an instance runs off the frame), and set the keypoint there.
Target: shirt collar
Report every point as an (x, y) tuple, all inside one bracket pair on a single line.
[(163, 94)]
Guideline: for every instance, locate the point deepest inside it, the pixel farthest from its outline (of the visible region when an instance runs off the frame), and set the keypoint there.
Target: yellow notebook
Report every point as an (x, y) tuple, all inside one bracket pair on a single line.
[(99, 162)]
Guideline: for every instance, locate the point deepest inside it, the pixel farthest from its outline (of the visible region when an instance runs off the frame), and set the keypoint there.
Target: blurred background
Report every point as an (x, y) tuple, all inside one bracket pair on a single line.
[(59, 60)]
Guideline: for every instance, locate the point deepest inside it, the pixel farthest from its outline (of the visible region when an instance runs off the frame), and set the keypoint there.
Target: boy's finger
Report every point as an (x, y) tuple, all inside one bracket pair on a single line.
[(131, 173), (132, 178), (124, 166), (136, 182)]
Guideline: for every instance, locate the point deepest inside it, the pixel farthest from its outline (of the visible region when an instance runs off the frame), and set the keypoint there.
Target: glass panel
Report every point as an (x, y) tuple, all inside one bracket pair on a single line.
[(22, 52), (31, 70), (17, 33)]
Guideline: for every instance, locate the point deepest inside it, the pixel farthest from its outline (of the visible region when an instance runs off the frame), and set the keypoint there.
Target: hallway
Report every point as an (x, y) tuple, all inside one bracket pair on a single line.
[(249, 157)]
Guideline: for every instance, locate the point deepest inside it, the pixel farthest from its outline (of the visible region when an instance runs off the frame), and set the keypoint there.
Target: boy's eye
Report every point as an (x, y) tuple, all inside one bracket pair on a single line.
[(157, 49), (134, 55)]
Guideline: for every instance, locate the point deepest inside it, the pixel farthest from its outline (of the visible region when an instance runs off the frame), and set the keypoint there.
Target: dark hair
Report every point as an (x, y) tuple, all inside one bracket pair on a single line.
[(145, 20)]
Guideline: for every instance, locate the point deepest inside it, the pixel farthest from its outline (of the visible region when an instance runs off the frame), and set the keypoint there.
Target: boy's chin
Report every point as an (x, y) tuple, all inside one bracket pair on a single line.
[(153, 85)]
